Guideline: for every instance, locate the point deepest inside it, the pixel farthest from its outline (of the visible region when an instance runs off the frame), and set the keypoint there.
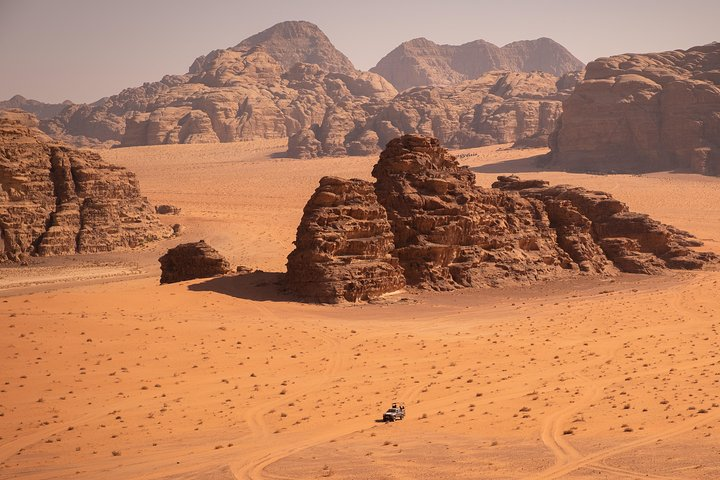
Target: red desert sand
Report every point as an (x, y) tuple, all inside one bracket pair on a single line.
[(108, 374)]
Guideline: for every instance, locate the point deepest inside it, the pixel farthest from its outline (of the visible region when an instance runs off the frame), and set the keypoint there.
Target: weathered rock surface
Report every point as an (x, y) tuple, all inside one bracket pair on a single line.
[(498, 107), (444, 232), (641, 113), (192, 260), (421, 62), (595, 229), (449, 233), (304, 144), (55, 200), (343, 247), (167, 210)]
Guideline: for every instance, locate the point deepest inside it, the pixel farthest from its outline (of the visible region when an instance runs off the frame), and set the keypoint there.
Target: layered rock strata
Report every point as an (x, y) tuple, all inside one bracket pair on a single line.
[(642, 113), (188, 261), (428, 221), (449, 233), (595, 229), (343, 247), (55, 200)]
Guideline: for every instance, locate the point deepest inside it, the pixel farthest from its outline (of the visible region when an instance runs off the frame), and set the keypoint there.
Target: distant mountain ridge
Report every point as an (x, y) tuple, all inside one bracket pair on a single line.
[(39, 109), (422, 62), (289, 79)]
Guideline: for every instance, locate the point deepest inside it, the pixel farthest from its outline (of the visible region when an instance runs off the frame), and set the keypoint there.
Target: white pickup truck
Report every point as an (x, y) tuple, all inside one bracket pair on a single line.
[(396, 412)]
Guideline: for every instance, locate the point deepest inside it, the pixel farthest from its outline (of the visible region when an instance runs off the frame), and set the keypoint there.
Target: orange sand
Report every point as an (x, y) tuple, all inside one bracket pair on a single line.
[(106, 374)]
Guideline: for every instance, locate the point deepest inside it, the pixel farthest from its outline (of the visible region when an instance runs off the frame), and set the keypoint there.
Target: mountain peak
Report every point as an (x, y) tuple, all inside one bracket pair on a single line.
[(299, 41), (420, 62)]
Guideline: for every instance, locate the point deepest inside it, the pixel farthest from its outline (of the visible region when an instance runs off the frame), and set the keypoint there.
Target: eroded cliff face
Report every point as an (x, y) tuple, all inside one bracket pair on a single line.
[(343, 247), (428, 225), (642, 113), (421, 62), (55, 200)]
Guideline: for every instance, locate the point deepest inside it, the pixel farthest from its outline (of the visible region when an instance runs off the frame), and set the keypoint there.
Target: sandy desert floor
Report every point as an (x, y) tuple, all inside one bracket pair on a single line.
[(106, 374)]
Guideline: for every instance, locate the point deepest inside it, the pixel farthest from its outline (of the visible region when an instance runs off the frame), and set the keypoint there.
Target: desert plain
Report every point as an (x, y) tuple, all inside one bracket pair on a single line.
[(108, 374)]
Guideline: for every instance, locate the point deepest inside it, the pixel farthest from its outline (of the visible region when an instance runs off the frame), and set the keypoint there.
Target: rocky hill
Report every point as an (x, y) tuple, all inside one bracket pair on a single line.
[(428, 222), (271, 85), (41, 110), (55, 200), (498, 107), (290, 81), (421, 62), (642, 113)]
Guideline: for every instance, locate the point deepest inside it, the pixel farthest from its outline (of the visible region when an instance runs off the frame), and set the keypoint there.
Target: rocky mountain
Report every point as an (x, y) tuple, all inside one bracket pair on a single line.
[(498, 107), (290, 81), (295, 42), (642, 113), (39, 109), (421, 62), (256, 89), (55, 200), (428, 221)]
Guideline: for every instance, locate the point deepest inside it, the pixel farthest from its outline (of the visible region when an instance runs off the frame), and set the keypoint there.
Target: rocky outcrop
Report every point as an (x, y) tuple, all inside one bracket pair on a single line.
[(421, 62), (343, 247), (499, 107), (642, 113), (428, 221), (304, 144), (55, 200), (449, 233), (596, 229), (192, 260)]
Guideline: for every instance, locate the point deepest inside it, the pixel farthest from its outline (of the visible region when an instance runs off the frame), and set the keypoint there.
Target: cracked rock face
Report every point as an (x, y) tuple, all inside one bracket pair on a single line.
[(643, 113), (597, 230), (449, 233), (192, 260), (343, 247), (55, 200), (428, 222)]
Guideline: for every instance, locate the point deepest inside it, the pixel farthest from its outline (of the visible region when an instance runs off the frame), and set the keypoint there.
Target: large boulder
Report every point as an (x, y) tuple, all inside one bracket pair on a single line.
[(642, 113), (56, 200), (343, 247), (192, 260)]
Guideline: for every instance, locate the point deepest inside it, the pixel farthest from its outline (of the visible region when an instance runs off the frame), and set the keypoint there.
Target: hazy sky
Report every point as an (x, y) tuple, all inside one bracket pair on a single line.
[(82, 50)]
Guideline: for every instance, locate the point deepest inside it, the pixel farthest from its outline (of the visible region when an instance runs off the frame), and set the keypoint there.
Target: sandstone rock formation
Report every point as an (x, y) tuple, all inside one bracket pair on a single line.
[(272, 85), (296, 42), (498, 107), (443, 232), (449, 233), (641, 113), (343, 247), (594, 228), (167, 210), (192, 260), (55, 200), (421, 62)]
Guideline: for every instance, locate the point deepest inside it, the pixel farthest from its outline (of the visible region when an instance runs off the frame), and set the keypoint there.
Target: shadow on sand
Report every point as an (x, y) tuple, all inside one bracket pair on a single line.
[(257, 286), (529, 164)]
